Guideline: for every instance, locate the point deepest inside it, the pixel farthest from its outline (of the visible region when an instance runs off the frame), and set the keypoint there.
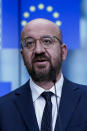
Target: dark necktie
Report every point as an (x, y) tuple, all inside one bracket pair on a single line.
[(46, 124)]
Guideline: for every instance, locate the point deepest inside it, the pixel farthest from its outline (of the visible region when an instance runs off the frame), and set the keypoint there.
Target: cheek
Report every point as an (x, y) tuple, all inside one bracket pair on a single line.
[(27, 57), (55, 55)]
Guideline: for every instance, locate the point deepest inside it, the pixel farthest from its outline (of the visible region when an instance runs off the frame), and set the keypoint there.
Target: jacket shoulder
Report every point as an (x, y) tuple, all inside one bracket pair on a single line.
[(82, 88), (11, 96)]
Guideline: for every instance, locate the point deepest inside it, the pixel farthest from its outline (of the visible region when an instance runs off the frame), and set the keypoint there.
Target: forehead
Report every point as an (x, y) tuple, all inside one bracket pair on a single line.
[(38, 29)]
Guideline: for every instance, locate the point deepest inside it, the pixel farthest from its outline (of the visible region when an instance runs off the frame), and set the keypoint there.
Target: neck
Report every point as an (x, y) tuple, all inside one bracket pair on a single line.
[(47, 84)]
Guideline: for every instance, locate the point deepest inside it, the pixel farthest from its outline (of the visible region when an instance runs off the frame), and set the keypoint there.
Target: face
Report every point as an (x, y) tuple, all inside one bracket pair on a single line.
[(41, 61)]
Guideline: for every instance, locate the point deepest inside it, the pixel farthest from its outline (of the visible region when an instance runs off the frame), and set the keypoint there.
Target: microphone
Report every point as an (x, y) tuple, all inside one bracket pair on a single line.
[(53, 77)]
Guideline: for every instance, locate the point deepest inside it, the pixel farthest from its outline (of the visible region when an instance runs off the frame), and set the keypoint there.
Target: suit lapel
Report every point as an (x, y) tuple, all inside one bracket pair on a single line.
[(25, 107), (69, 100)]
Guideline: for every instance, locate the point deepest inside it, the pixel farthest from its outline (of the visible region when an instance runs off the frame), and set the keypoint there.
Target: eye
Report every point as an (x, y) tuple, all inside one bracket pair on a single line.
[(47, 41), (29, 42)]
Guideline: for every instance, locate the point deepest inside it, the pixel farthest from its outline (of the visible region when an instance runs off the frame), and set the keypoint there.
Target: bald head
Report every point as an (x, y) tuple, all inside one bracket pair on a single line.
[(40, 27)]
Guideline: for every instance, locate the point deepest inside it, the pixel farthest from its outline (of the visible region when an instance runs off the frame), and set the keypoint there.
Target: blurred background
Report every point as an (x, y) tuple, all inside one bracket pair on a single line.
[(70, 15)]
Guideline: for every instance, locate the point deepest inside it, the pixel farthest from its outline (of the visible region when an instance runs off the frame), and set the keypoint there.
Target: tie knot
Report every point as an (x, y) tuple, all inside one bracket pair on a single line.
[(47, 95)]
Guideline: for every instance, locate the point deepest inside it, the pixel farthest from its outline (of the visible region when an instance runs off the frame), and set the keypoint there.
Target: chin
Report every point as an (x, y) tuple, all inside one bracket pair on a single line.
[(42, 70)]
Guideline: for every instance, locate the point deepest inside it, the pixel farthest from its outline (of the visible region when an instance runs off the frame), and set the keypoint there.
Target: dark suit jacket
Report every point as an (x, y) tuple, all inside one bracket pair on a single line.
[(17, 111)]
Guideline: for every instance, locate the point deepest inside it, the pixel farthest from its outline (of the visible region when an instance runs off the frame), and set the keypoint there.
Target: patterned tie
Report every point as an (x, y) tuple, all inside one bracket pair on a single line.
[(46, 124)]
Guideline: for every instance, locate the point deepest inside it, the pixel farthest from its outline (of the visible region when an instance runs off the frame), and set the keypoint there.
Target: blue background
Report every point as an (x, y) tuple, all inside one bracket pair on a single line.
[(12, 15)]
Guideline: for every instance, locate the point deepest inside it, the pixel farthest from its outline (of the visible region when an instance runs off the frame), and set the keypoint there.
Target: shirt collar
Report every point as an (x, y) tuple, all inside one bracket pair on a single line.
[(37, 90)]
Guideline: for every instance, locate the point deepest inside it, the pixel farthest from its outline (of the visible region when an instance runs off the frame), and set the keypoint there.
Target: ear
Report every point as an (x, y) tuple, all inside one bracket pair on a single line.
[(64, 51), (21, 52)]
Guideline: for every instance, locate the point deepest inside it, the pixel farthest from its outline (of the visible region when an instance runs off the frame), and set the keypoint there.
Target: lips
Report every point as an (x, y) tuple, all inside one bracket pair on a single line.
[(40, 60)]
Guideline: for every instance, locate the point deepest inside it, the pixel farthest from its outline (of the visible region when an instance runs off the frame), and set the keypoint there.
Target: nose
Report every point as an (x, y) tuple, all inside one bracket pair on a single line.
[(39, 49)]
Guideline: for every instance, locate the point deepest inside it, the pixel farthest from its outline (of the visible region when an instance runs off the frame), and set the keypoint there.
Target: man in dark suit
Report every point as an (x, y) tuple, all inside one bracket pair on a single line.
[(48, 101)]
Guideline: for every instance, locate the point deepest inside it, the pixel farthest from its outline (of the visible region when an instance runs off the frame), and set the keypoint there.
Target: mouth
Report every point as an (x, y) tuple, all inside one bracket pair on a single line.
[(40, 61)]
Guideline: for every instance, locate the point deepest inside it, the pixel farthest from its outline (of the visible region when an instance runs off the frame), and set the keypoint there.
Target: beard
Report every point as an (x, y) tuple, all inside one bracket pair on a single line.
[(44, 74)]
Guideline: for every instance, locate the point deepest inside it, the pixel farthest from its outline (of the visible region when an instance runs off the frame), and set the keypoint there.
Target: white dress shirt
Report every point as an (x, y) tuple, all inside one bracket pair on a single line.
[(39, 101)]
